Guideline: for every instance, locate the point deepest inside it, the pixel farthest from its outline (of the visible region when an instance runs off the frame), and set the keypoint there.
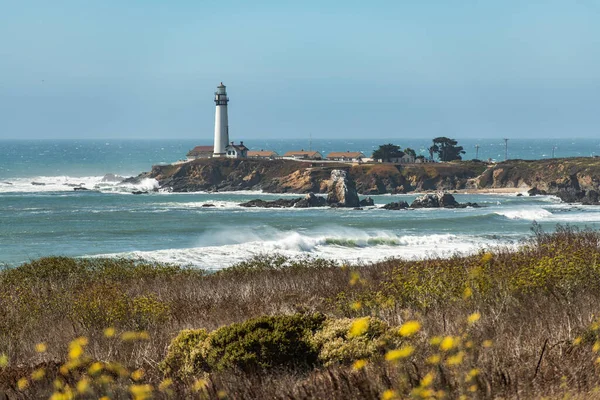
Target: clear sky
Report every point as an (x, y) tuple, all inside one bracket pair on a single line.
[(147, 69)]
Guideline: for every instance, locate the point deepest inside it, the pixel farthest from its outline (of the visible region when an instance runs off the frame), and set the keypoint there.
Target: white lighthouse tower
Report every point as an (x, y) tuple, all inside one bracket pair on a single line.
[(221, 122)]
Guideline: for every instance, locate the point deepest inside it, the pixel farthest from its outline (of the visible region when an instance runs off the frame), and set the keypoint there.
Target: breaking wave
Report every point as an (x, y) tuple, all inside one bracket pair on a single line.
[(48, 184), (221, 249)]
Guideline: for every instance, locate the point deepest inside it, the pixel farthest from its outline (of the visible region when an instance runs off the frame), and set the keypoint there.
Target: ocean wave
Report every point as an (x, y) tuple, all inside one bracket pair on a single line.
[(228, 247), (48, 184), (536, 214)]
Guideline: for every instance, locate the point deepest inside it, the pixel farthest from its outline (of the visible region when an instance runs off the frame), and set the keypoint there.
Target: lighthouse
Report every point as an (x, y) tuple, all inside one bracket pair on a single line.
[(221, 123)]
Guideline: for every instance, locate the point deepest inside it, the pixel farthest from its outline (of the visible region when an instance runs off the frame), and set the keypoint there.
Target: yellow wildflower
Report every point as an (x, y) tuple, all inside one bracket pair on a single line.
[(356, 306), (83, 385), (3, 360), (22, 383), (137, 374), (41, 347), (359, 364), (468, 292), (596, 347), (409, 328), (456, 359), (109, 332), (95, 368), (447, 343), (434, 359), (140, 392), (400, 353), (38, 374), (359, 327), (473, 318), (427, 380), (436, 340), (389, 395), (487, 344), (577, 341)]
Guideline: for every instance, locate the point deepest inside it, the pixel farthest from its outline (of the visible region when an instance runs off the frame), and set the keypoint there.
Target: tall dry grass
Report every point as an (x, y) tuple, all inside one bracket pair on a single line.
[(534, 302)]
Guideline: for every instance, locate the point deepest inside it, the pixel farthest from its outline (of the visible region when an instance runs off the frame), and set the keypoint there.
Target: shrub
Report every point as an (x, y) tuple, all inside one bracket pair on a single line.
[(148, 311), (335, 345), (184, 354), (264, 343), (99, 307), (257, 344)]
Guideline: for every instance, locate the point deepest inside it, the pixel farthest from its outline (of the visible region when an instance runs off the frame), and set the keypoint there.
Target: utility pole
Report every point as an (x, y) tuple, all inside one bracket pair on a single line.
[(553, 148), (505, 149), (477, 152)]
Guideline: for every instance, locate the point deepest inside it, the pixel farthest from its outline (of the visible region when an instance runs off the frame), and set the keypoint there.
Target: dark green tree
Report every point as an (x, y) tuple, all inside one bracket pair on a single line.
[(388, 151), (410, 152), (446, 149)]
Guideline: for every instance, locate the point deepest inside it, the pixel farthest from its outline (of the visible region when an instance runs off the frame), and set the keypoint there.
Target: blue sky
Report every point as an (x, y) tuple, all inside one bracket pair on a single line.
[(147, 69)]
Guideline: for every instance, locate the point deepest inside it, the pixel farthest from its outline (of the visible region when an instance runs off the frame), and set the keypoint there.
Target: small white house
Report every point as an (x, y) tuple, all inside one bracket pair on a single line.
[(347, 156), (303, 155), (236, 150)]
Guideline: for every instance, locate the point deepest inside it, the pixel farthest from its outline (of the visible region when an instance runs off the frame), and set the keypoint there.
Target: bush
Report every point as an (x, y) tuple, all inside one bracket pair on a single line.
[(148, 311), (264, 343), (335, 345), (257, 344), (99, 307), (184, 354)]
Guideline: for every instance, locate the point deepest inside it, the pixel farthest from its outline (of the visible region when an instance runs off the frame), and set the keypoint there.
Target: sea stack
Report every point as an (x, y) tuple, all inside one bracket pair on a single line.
[(221, 122)]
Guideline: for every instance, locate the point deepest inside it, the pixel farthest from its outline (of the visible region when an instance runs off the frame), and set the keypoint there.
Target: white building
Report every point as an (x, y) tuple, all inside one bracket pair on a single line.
[(347, 156), (236, 150), (221, 122)]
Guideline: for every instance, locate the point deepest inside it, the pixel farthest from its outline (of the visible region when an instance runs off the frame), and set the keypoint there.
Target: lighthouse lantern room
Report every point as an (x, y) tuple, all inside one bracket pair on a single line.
[(221, 122)]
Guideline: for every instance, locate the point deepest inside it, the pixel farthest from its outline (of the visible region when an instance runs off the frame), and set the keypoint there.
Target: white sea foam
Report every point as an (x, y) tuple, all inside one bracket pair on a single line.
[(47, 184), (224, 248), (531, 214)]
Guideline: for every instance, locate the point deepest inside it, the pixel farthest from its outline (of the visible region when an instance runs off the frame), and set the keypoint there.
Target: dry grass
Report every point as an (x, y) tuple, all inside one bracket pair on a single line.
[(535, 303)]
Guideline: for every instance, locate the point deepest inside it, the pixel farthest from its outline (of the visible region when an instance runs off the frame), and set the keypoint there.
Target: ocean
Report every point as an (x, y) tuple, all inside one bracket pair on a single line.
[(41, 214)]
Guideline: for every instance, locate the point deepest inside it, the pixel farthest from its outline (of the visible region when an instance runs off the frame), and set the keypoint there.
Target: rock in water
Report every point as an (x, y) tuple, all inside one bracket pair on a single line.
[(341, 191), (112, 178), (368, 202), (279, 203), (439, 199), (401, 205), (534, 191), (310, 200)]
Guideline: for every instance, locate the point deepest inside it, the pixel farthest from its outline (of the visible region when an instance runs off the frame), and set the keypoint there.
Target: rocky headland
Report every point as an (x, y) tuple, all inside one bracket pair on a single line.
[(571, 179)]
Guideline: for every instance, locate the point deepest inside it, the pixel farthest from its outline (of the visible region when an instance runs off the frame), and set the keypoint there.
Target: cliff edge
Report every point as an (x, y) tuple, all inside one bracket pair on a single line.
[(286, 176)]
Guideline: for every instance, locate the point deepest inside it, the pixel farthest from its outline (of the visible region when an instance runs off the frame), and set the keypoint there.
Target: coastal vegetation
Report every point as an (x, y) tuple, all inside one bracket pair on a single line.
[(446, 149), (506, 322)]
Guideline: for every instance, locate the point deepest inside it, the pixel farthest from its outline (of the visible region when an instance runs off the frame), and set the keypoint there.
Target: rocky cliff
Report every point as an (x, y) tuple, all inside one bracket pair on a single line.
[(281, 176), (552, 176)]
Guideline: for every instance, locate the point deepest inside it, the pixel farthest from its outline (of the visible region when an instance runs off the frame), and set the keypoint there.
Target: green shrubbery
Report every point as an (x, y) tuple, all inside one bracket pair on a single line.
[(336, 346), (288, 341)]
